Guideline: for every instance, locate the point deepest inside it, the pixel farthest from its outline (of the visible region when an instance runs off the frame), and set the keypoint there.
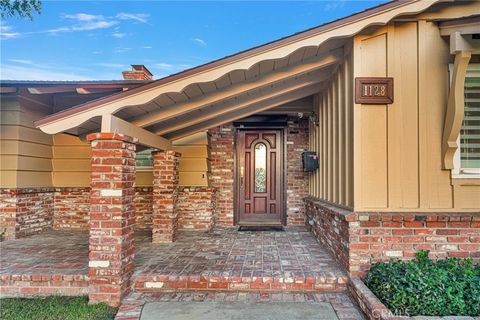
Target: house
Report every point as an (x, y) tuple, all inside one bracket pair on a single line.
[(385, 102)]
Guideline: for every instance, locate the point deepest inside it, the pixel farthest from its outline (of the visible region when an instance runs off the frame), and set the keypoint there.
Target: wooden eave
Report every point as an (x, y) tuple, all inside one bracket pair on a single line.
[(209, 85)]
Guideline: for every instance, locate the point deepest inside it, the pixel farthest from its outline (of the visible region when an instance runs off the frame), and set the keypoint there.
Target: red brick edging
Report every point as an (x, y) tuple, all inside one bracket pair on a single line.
[(43, 285), (368, 301), (191, 283)]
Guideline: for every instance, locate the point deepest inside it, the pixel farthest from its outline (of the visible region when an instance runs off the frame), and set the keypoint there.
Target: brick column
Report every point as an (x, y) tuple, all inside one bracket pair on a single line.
[(165, 195), (112, 217)]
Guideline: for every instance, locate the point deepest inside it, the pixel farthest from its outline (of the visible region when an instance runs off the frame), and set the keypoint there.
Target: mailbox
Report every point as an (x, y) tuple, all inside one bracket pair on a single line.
[(310, 161)]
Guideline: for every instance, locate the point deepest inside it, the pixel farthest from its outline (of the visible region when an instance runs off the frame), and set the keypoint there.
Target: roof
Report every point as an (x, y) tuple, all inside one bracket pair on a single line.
[(13, 83), (312, 38)]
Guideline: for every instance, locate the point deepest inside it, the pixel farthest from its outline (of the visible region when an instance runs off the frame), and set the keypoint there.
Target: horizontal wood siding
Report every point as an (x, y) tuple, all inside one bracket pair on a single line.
[(71, 161), (331, 137), (398, 146), (25, 152), (194, 162)]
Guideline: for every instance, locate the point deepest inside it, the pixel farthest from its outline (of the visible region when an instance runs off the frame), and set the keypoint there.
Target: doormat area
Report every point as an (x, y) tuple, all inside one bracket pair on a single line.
[(177, 310), (261, 228)]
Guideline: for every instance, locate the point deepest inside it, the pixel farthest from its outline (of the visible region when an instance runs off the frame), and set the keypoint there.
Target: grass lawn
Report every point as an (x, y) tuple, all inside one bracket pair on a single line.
[(53, 308)]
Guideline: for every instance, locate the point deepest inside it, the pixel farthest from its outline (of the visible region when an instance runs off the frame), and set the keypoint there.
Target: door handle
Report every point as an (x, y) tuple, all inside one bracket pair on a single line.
[(242, 173)]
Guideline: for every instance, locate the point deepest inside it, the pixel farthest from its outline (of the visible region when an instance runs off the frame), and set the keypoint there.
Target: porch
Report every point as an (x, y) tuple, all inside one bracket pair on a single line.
[(223, 259)]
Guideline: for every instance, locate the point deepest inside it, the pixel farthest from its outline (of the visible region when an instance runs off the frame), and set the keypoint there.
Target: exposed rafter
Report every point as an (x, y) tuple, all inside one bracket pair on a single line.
[(310, 65), (283, 89), (252, 109)]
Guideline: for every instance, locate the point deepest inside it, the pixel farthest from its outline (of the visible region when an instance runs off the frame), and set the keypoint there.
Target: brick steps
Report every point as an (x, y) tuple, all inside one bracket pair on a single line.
[(159, 283)]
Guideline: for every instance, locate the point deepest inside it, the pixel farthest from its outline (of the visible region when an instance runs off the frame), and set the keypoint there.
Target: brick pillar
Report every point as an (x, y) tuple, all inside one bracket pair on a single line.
[(165, 195), (112, 217)]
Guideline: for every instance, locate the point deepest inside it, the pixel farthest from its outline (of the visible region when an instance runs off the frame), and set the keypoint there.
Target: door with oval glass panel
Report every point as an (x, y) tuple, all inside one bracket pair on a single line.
[(260, 177)]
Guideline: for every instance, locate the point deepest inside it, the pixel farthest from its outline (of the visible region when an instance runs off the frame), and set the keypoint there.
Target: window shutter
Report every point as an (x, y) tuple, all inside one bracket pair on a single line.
[(470, 133)]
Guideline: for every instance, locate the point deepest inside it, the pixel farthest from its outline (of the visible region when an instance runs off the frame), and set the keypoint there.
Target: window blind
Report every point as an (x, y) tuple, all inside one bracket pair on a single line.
[(144, 159), (470, 132)]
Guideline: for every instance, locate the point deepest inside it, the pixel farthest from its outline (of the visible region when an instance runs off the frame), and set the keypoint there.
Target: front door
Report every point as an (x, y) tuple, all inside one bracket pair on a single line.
[(260, 177)]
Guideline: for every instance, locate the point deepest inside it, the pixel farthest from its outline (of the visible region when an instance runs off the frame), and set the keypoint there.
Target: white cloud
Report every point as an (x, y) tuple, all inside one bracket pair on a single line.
[(11, 72), (147, 47), (331, 6), (6, 32), (164, 65), (138, 17), (84, 17), (81, 22), (200, 42), (87, 26), (118, 35), (111, 65), (120, 50), (21, 61)]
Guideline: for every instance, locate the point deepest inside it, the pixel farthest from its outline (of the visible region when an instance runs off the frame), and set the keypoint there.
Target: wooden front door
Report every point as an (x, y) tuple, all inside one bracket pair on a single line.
[(260, 177)]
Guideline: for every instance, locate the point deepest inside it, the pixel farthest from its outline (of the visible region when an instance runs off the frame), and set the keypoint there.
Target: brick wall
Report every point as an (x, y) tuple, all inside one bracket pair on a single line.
[(358, 239), (25, 211), (330, 225), (165, 196), (297, 180), (143, 207), (196, 208), (222, 171), (71, 208), (8, 214)]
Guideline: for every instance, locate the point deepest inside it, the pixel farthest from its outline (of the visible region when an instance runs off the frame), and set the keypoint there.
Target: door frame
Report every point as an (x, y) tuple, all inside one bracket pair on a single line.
[(283, 141)]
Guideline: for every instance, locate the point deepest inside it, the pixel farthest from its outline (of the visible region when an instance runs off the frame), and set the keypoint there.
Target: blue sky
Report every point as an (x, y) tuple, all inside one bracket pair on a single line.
[(93, 40)]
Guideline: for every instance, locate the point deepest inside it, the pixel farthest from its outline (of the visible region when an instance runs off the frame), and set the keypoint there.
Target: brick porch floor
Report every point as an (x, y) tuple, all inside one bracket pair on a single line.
[(224, 259)]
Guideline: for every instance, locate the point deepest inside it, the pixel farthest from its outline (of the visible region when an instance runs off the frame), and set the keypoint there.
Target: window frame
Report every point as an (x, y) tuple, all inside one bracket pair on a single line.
[(458, 172)]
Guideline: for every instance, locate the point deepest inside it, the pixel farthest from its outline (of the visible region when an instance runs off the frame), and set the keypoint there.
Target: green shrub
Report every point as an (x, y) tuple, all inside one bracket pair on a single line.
[(424, 287)]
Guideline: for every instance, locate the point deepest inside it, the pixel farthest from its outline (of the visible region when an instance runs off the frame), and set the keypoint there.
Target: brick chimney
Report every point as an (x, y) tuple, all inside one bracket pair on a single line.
[(138, 72)]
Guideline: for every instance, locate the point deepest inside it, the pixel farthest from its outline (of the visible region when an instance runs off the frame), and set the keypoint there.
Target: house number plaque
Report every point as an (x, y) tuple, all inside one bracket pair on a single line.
[(373, 90)]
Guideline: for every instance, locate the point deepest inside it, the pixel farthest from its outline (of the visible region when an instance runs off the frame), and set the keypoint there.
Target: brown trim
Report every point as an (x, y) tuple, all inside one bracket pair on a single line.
[(225, 60)]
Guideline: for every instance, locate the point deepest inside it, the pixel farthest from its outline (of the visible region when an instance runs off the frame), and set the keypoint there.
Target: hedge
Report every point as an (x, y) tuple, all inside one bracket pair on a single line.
[(444, 287)]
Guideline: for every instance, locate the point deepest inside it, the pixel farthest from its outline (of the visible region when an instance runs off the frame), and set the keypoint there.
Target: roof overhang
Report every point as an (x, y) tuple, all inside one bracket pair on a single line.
[(236, 86)]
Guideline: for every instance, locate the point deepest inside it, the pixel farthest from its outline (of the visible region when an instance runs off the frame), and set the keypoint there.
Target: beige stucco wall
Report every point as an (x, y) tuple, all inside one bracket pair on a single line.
[(397, 147)]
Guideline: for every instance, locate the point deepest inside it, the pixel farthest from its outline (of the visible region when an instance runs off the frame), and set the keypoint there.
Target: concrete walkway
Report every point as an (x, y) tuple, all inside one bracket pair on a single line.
[(237, 311), (238, 305)]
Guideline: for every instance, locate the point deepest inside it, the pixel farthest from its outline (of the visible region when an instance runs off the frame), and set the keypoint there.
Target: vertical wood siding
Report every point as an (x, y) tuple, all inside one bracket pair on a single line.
[(397, 147), (331, 137)]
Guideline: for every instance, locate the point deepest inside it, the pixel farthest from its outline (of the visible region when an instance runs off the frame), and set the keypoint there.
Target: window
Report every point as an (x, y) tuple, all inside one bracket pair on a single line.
[(260, 168), (467, 157), (144, 160)]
